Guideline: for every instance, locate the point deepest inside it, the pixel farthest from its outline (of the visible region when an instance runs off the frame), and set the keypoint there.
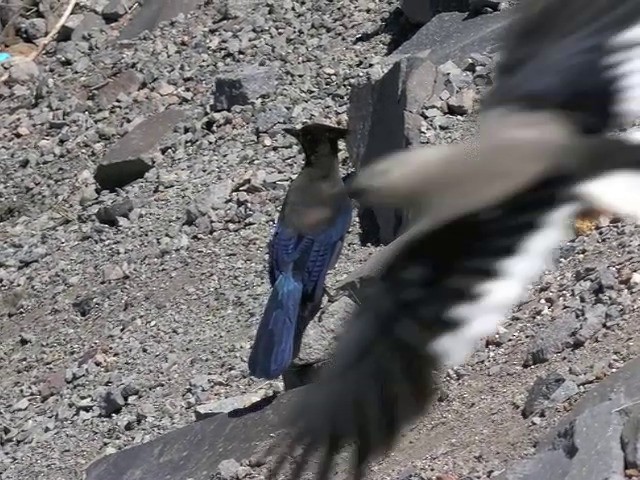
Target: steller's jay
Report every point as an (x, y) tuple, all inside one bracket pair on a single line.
[(308, 238)]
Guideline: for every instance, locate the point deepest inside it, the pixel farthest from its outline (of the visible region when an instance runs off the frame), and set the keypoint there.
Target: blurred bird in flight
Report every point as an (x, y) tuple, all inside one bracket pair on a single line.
[(491, 212)]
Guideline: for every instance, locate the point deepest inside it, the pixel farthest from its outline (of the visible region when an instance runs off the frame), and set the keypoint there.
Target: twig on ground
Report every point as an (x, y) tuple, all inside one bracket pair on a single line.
[(54, 31)]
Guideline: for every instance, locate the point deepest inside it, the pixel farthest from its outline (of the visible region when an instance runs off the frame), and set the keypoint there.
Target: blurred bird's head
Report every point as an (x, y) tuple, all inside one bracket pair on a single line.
[(318, 140)]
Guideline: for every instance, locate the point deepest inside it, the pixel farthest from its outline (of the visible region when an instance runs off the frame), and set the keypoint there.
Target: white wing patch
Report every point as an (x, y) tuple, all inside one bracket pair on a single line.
[(625, 66), (617, 191), (496, 297)]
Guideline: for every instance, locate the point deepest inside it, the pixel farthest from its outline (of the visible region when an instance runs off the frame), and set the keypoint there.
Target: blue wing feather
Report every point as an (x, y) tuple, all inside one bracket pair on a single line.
[(273, 348), (298, 265)]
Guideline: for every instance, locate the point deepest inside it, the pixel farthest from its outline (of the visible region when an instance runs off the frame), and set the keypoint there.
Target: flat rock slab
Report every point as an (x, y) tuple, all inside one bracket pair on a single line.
[(195, 451), (154, 12), (122, 163), (125, 83), (450, 37)]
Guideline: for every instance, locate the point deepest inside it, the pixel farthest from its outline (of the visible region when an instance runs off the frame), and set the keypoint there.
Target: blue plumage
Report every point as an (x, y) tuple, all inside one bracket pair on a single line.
[(298, 266), (306, 243)]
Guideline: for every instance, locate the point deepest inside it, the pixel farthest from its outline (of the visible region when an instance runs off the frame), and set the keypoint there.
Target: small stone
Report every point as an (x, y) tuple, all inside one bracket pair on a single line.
[(165, 89), (462, 102), (433, 113), (34, 29), (116, 9), (23, 71), (83, 306), (20, 406), (129, 390), (77, 25), (111, 402), (126, 82), (444, 122), (26, 338), (112, 272), (548, 391), (109, 215), (226, 405), (53, 384), (243, 86), (449, 68), (227, 469), (23, 131)]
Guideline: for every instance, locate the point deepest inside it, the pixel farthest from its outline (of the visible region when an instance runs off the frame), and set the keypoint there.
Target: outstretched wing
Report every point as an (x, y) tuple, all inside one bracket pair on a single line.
[(574, 56)]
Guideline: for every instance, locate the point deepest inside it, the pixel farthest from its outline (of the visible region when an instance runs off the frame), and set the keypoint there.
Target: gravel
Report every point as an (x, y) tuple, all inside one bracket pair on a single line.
[(159, 278), (129, 300)]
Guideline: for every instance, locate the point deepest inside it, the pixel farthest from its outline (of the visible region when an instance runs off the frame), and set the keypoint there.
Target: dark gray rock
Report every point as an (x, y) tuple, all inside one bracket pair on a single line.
[(598, 439), (548, 391), (152, 13), (243, 86), (229, 9), (111, 402), (195, 451), (553, 339), (116, 9), (225, 405), (630, 436), (126, 83), (320, 336), (33, 29), (227, 468), (23, 71), (122, 163), (384, 116), (595, 318), (83, 305), (110, 213), (78, 25), (421, 11), (448, 37)]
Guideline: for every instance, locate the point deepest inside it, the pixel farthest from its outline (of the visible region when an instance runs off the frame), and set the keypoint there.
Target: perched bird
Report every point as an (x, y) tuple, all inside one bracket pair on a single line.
[(307, 241), (491, 212)]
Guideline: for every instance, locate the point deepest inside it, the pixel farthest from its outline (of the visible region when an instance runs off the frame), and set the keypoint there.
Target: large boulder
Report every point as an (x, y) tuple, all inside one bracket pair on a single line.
[(385, 108), (195, 452), (600, 438), (422, 11)]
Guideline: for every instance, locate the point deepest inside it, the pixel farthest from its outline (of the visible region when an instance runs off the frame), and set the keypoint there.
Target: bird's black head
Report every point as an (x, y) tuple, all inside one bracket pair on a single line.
[(319, 141), (314, 134)]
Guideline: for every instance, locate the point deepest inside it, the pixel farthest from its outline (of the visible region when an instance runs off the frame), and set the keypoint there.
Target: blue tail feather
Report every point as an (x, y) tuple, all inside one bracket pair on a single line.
[(273, 346)]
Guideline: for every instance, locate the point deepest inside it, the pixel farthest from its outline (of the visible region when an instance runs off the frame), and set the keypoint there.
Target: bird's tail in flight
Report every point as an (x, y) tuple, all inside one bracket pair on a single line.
[(273, 346)]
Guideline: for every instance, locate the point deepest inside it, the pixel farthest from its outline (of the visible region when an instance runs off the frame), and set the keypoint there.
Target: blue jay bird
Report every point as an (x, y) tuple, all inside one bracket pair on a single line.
[(307, 241), (490, 213)]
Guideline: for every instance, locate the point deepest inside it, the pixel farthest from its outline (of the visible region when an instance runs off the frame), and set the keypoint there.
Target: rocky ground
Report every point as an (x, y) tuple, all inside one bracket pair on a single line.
[(124, 310)]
